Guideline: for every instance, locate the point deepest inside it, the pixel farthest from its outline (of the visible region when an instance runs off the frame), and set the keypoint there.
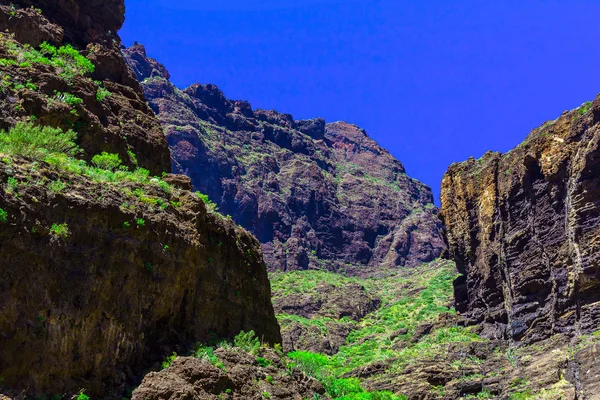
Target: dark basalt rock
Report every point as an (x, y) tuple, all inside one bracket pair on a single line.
[(316, 195), (523, 228)]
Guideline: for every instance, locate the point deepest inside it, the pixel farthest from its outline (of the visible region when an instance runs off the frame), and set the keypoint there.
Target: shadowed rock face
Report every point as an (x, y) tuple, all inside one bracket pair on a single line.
[(524, 229), (316, 195), (98, 284)]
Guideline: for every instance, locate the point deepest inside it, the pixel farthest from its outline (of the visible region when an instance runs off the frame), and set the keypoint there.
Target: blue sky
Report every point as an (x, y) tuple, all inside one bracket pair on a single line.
[(432, 81)]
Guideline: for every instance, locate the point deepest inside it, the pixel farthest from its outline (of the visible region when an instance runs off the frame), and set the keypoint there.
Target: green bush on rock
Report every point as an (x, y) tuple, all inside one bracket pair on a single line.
[(37, 142)]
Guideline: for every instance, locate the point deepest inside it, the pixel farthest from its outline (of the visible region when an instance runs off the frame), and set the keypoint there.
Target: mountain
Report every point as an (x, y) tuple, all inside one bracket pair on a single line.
[(105, 268), (316, 195)]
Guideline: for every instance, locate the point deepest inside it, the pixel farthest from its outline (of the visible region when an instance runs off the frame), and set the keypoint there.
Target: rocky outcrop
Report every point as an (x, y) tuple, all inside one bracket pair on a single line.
[(316, 195), (524, 228), (95, 94), (104, 272), (233, 374)]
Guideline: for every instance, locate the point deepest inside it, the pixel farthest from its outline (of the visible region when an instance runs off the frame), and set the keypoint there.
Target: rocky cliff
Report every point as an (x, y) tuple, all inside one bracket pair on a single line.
[(524, 230), (104, 268), (95, 93), (316, 195)]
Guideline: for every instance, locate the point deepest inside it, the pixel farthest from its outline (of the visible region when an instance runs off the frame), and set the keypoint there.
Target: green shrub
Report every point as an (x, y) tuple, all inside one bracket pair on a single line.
[(169, 360), (210, 206), (57, 186), (106, 161), (3, 216), (36, 142), (263, 362), (102, 93), (82, 396), (247, 341), (67, 98), (60, 230), (207, 353)]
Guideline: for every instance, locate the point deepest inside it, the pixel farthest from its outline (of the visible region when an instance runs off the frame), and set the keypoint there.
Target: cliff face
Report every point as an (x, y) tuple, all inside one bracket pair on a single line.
[(316, 195), (524, 229), (104, 272)]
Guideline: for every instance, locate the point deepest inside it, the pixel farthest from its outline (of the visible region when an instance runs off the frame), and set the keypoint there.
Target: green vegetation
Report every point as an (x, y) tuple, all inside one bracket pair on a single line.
[(57, 186), (247, 341), (82, 396), (168, 361), (584, 108), (60, 230), (3, 216), (102, 93), (318, 366), (37, 142), (67, 98), (207, 353), (409, 298), (106, 161), (210, 206), (66, 59)]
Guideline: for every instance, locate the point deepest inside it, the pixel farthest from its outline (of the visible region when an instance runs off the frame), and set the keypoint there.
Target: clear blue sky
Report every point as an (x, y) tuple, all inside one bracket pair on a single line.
[(432, 81)]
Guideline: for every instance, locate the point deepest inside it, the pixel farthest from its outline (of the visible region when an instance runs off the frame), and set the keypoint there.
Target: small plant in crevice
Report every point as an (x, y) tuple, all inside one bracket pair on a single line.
[(60, 231), (141, 222), (102, 93), (11, 185), (169, 360), (57, 186), (3, 216), (67, 98)]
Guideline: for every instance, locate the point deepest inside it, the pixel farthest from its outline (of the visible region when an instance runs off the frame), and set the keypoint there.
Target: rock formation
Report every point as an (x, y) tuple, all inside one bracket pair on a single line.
[(316, 195), (104, 272), (232, 374), (524, 229)]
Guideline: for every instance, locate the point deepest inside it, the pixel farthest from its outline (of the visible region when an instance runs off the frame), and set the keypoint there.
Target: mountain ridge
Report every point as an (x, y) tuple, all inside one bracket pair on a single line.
[(316, 195)]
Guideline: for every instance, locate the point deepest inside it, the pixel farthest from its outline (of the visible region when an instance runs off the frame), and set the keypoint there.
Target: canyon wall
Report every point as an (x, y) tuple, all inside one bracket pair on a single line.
[(524, 230)]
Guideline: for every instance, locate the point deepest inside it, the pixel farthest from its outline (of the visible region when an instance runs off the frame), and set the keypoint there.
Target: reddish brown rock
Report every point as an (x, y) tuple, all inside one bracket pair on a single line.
[(316, 195), (524, 229)]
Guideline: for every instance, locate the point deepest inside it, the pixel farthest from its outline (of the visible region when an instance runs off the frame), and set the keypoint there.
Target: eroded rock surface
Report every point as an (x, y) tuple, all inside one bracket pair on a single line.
[(316, 195), (241, 376), (524, 229), (125, 285)]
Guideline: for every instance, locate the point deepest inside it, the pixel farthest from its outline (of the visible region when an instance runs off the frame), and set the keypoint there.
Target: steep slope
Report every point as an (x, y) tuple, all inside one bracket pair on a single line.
[(105, 269), (415, 344), (524, 230), (316, 195)]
